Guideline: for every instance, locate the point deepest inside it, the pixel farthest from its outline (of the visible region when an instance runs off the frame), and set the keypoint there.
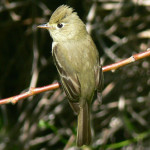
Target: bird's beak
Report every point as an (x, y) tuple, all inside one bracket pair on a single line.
[(45, 26)]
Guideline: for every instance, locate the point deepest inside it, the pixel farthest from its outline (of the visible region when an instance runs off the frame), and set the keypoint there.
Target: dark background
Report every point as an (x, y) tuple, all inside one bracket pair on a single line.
[(119, 28)]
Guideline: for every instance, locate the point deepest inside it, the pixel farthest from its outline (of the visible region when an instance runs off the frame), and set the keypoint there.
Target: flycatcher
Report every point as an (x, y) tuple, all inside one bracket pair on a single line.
[(77, 60)]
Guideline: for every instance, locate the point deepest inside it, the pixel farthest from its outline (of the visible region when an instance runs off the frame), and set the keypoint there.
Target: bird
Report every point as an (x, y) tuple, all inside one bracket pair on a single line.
[(78, 63)]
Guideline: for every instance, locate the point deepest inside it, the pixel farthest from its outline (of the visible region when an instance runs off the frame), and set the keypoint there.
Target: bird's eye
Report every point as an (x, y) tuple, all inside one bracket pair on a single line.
[(60, 25)]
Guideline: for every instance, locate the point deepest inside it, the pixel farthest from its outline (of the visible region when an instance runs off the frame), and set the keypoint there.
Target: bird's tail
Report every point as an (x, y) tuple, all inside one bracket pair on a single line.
[(84, 129)]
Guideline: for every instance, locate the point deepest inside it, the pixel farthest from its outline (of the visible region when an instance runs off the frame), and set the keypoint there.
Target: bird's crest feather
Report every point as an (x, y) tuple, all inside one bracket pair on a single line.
[(61, 13)]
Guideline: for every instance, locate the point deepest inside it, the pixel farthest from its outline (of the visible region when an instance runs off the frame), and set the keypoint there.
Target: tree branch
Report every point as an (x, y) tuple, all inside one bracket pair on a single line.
[(129, 60), (33, 91)]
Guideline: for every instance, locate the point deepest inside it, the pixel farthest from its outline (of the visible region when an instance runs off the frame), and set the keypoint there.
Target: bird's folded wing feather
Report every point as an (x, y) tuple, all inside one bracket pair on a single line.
[(70, 81)]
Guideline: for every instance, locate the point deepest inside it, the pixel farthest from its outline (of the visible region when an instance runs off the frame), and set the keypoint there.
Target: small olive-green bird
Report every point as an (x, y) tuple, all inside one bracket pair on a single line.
[(77, 61)]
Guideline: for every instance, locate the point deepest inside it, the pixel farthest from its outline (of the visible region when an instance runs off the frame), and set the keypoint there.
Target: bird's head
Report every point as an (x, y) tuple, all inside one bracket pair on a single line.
[(64, 25)]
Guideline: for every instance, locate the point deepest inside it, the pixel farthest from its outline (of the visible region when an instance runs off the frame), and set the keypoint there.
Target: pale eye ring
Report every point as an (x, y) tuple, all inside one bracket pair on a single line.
[(60, 25)]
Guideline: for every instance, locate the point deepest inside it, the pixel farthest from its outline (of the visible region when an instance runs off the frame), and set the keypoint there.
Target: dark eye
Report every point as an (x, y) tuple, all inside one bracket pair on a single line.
[(60, 25)]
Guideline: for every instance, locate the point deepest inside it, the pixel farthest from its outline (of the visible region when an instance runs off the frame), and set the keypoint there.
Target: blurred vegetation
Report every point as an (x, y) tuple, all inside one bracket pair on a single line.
[(119, 28)]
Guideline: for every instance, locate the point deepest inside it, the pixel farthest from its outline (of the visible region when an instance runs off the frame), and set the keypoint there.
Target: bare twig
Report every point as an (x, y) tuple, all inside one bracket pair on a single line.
[(32, 91), (129, 60), (112, 67)]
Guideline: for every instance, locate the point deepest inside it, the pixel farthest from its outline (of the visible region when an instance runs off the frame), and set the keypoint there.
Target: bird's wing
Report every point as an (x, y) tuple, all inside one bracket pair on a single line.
[(99, 80), (69, 79), (99, 77)]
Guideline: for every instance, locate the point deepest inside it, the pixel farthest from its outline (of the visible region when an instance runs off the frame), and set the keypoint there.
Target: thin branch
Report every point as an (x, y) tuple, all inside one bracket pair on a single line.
[(32, 91), (129, 60), (112, 67)]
